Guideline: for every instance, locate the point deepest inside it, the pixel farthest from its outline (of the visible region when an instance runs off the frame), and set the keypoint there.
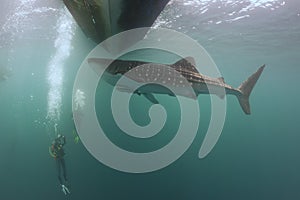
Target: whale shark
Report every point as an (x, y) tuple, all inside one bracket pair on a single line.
[(186, 69)]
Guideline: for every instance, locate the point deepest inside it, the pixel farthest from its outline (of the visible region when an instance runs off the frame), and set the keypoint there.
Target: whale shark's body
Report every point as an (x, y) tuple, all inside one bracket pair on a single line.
[(186, 69)]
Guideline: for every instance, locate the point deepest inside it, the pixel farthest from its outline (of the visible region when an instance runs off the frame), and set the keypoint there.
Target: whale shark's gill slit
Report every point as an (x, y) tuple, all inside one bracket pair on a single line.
[(55, 74)]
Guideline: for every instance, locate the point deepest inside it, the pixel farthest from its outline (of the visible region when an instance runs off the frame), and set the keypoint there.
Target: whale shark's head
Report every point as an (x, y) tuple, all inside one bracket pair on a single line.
[(99, 64)]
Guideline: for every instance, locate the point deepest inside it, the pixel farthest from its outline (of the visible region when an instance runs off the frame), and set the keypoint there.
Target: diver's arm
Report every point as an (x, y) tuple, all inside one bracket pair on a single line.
[(51, 151), (64, 140)]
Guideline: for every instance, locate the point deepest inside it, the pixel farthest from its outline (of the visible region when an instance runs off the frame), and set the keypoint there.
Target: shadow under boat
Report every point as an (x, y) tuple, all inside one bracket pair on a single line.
[(101, 19)]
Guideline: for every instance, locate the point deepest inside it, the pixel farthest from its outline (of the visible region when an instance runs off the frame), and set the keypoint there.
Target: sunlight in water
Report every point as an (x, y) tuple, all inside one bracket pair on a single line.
[(214, 11), (241, 5), (65, 31), (252, 3)]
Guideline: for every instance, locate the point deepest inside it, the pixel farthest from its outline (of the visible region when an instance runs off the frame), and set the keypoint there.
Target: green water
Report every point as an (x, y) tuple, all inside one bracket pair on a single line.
[(256, 157)]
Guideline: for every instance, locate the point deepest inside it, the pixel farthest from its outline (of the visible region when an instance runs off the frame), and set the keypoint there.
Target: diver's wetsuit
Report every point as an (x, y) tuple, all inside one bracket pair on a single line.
[(58, 152)]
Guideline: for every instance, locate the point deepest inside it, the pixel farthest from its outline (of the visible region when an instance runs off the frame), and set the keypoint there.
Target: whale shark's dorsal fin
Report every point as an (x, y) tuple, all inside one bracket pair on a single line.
[(187, 63), (191, 60)]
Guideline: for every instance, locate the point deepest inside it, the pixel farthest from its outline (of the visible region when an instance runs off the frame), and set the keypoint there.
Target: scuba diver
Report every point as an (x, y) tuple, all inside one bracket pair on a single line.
[(56, 150)]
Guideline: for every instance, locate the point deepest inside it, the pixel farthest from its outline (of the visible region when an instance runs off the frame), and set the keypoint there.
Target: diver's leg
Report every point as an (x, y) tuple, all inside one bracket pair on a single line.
[(63, 165), (58, 170)]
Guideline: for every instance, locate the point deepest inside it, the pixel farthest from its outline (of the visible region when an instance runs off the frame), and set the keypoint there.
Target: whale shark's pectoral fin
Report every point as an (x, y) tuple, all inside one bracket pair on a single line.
[(151, 98), (221, 95), (123, 88)]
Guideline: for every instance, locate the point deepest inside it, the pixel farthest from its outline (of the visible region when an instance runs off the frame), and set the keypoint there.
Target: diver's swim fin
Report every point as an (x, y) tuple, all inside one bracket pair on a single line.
[(65, 190)]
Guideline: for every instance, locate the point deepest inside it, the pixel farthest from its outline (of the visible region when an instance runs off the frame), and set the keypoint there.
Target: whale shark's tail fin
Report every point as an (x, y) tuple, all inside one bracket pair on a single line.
[(245, 90)]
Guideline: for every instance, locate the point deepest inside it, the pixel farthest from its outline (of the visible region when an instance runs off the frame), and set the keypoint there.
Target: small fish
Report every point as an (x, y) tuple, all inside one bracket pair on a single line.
[(5, 73)]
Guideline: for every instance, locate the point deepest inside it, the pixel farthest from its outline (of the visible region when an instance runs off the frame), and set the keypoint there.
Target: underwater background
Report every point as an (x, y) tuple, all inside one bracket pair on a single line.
[(256, 157)]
